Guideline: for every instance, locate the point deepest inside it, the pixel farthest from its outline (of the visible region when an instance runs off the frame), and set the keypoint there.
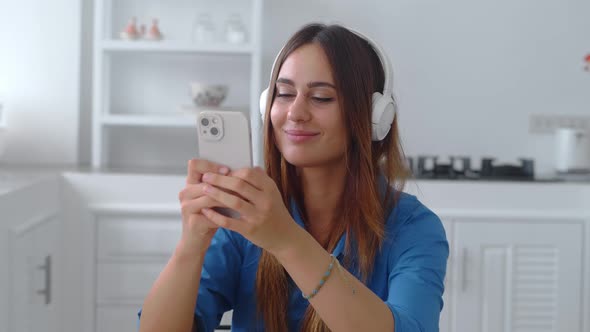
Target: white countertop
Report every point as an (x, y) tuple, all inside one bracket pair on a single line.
[(12, 181), (450, 194), (15, 177)]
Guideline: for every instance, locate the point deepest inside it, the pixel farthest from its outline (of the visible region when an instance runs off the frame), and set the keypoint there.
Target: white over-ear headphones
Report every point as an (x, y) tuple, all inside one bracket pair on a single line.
[(383, 108)]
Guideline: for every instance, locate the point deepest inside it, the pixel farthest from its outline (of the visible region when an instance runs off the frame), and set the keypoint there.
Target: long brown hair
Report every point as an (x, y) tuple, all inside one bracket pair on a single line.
[(357, 73)]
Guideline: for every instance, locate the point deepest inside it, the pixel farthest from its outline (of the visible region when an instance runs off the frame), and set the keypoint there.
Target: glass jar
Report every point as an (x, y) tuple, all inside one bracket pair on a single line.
[(235, 30), (203, 29)]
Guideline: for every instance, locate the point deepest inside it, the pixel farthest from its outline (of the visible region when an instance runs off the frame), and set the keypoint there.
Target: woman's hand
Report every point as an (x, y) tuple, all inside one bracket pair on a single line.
[(264, 219), (197, 230)]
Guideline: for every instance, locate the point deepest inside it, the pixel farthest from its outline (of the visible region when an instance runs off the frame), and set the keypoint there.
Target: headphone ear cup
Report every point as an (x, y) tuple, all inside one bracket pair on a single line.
[(382, 114), (262, 103)]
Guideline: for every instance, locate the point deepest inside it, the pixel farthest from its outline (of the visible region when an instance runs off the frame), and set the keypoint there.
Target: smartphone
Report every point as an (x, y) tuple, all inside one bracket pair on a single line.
[(224, 138)]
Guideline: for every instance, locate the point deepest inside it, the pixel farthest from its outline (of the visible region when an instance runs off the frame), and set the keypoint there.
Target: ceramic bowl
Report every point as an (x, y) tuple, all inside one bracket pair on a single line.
[(208, 95)]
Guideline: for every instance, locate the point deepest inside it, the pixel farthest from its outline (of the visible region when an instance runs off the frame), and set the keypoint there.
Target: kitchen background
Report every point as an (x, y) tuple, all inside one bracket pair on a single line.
[(469, 76), (83, 244)]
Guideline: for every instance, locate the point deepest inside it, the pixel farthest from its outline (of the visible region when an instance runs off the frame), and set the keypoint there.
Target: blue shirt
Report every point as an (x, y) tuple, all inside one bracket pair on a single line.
[(408, 274)]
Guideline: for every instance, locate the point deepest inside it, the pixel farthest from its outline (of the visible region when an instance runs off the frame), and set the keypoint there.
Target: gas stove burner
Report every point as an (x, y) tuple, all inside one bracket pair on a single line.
[(523, 171), (459, 168)]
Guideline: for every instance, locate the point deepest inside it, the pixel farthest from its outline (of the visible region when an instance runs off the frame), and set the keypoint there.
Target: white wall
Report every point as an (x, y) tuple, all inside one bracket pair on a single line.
[(468, 74), (39, 80)]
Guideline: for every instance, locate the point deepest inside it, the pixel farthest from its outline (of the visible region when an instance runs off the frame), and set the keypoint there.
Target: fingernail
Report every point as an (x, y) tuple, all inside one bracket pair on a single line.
[(206, 177), (224, 170)]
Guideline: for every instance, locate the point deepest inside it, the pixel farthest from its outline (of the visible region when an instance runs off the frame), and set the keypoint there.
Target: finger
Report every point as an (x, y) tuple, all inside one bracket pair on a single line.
[(197, 167), (196, 205), (225, 222), (233, 184), (192, 191), (234, 202), (254, 176)]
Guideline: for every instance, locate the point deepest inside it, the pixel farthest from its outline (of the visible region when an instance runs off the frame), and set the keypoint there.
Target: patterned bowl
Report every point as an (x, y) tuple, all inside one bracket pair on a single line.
[(208, 95)]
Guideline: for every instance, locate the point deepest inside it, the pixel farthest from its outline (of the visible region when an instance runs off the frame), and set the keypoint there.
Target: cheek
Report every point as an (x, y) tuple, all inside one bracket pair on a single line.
[(334, 123), (277, 121), (276, 117)]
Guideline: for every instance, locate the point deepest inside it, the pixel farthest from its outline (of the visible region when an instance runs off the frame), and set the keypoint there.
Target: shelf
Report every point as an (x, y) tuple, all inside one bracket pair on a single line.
[(137, 84), (178, 120), (174, 47)]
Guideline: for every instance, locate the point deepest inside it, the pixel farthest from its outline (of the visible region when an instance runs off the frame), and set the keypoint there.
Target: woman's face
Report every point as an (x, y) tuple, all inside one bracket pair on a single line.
[(305, 114)]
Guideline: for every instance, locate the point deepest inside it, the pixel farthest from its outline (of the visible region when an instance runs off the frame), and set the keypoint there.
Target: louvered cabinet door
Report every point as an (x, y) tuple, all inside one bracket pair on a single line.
[(517, 276)]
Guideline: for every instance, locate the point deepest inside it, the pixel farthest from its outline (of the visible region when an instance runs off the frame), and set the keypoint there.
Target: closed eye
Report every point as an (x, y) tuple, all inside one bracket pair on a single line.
[(323, 100), (316, 99)]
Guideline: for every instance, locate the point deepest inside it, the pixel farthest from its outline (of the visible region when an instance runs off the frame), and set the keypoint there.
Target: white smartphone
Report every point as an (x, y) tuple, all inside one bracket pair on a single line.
[(224, 138)]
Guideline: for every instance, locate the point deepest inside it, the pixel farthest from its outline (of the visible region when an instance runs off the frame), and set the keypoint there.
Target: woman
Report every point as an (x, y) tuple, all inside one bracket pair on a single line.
[(326, 239)]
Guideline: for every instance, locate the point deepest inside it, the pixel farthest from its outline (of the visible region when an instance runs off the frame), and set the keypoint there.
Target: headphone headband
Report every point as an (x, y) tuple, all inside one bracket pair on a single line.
[(387, 71)]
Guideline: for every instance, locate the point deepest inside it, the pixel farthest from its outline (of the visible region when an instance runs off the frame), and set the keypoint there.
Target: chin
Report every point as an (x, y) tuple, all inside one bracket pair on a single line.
[(304, 162), (308, 159)]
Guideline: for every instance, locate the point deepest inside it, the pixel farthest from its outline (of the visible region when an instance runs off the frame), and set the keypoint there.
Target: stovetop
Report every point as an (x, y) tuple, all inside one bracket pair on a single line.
[(460, 168)]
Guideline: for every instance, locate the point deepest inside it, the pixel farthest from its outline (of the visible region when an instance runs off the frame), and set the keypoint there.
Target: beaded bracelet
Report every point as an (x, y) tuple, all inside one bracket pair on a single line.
[(322, 281)]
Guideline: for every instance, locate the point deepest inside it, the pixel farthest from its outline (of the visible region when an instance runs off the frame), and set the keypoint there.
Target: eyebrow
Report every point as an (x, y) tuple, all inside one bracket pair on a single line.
[(309, 85)]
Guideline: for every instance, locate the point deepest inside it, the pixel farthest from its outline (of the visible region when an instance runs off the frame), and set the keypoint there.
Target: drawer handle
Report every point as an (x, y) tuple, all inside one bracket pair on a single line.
[(46, 292)]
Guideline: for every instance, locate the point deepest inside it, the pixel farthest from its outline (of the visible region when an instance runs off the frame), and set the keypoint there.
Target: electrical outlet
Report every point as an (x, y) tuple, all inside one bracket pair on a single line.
[(548, 123)]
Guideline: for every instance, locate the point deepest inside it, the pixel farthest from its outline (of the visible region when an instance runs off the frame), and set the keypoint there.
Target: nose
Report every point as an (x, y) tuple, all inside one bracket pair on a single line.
[(298, 110)]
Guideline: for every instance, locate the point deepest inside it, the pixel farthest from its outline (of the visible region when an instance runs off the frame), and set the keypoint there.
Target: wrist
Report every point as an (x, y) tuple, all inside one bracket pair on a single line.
[(192, 248), (187, 261)]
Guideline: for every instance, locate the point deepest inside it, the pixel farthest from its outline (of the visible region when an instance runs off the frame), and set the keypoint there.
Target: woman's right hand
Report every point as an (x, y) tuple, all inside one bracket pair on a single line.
[(197, 230)]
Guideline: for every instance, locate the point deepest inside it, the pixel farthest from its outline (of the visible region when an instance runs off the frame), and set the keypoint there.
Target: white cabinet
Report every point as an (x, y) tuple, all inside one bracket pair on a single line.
[(35, 296), (510, 269), (131, 249), (141, 87), (30, 253), (515, 274)]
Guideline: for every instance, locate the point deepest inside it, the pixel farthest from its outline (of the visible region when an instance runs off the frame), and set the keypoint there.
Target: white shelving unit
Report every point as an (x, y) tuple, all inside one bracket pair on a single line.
[(150, 46), (141, 87)]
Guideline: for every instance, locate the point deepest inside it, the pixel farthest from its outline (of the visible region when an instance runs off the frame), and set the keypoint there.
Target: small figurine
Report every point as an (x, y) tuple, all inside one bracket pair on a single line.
[(130, 32), (587, 60), (154, 32)]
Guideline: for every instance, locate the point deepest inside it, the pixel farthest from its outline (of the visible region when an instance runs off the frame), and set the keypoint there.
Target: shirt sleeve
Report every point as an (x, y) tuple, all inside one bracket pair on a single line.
[(219, 280), (417, 271)]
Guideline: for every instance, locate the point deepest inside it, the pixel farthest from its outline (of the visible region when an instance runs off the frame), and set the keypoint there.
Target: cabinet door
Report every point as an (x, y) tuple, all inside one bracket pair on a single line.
[(445, 321), (517, 276), (34, 301)]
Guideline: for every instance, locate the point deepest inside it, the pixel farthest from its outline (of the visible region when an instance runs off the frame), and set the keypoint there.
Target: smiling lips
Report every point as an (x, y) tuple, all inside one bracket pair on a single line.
[(300, 136)]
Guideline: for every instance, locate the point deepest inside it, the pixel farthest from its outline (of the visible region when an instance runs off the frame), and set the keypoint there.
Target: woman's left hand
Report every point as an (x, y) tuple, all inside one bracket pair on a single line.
[(264, 219)]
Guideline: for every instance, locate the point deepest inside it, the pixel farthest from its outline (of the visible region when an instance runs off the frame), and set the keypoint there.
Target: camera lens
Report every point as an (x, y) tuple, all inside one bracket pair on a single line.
[(214, 131), (205, 122)]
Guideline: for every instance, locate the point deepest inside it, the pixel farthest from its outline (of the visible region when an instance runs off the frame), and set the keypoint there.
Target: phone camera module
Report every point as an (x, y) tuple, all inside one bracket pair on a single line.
[(214, 131), (204, 122)]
